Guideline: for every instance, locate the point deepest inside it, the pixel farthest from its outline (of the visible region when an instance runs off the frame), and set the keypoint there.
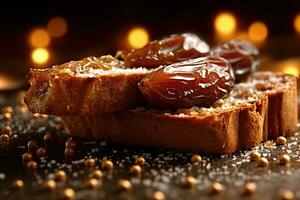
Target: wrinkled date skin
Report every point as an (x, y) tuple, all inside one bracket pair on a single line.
[(241, 54), (174, 48), (195, 82)]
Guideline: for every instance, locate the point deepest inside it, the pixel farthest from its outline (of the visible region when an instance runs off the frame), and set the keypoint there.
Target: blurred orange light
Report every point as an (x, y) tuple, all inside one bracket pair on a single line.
[(297, 23), (4, 83), (39, 38), (40, 55), (57, 27), (291, 68), (137, 37), (9, 83), (225, 23), (257, 32)]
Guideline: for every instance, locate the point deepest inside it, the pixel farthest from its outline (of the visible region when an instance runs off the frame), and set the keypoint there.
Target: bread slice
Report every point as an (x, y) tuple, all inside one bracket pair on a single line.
[(86, 87), (262, 108), (283, 104)]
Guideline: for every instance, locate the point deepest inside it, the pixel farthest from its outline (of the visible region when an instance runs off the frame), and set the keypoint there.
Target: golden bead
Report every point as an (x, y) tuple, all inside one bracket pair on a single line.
[(281, 140), (7, 130), (249, 188), (7, 116), (158, 195), (89, 163), (17, 184), (27, 157), (97, 174), (284, 159), (254, 156), (189, 182), (262, 162), (32, 145), (49, 185), (4, 140), (32, 165), (196, 158), (41, 152), (92, 183), (47, 138), (140, 161), (60, 176), (135, 169), (124, 185), (68, 194), (107, 165), (286, 195), (216, 188)]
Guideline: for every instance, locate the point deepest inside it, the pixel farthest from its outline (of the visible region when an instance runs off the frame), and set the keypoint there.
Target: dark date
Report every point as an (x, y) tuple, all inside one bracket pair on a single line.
[(172, 49), (241, 54), (195, 82)]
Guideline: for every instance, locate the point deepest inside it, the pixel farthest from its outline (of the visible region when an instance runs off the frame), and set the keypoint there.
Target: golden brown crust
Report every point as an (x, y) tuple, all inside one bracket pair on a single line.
[(221, 134), (282, 115), (273, 112), (82, 95), (85, 87)]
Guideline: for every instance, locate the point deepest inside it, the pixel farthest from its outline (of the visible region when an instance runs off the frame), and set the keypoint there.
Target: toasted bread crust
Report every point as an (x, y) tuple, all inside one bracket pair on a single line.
[(282, 116), (85, 87), (225, 133), (245, 125), (83, 95)]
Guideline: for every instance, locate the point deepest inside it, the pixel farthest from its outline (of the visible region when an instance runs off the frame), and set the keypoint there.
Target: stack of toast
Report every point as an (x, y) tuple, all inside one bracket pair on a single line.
[(99, 99)]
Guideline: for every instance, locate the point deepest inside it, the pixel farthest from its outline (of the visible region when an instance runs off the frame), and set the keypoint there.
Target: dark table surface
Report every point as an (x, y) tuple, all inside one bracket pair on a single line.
[(164, 170)]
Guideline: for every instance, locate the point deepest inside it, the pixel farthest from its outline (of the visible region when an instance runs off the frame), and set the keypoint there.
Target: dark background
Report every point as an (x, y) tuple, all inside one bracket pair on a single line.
[(98, 27), (95, 28)]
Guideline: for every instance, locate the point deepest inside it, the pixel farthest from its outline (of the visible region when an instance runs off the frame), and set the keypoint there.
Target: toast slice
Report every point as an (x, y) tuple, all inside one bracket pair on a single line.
[(261, 108), (86, 87)]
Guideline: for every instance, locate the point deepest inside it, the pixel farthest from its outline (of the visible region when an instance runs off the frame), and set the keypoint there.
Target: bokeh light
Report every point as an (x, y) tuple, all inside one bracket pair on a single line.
[(297, 23), (57, 27), (9, 83), (138, 37), (291, 68), (40, 55), (225, 23), (39, 38), (258, 32)]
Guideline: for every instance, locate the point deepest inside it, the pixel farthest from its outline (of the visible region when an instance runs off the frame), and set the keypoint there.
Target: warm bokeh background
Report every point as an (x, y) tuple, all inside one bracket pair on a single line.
[(43, 33)]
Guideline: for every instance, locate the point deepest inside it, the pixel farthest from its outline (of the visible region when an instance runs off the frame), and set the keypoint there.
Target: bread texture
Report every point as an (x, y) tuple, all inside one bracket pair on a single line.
[(86, 87), (259, 109)]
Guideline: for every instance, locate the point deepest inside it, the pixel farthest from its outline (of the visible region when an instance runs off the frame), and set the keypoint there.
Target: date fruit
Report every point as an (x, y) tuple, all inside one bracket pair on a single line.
[(241, 54), (174, 48), (195, 82)]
